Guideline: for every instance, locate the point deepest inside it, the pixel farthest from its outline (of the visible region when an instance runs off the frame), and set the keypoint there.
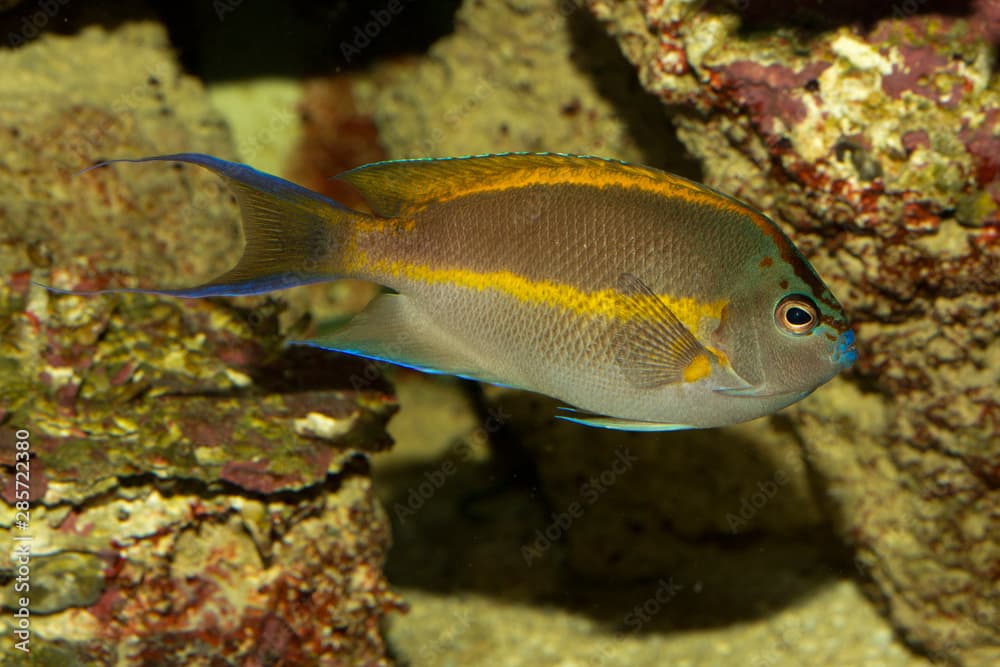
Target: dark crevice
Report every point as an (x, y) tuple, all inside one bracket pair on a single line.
[(230, 40), (814, 16), (227, 40), (596, 54)]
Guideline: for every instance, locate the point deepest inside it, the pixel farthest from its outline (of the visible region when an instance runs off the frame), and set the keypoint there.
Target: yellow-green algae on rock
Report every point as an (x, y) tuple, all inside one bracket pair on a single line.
[(526, 75), (765, 581), (198, 491), (875, 135)]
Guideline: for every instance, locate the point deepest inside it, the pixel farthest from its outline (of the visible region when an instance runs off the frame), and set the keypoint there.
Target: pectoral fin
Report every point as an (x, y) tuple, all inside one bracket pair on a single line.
[(652, 346)]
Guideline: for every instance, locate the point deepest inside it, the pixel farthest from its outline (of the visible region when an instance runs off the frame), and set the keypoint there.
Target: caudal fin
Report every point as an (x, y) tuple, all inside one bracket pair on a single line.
[(293, 235)]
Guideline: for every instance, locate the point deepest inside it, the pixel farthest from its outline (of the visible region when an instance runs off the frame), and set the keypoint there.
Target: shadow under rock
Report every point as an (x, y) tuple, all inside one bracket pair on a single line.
[(475, 527), (231, 39), (228, 40), (29, 20), (597, 54), (822, 15)]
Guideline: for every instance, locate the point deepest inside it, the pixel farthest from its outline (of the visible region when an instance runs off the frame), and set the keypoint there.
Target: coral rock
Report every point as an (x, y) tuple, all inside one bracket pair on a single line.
[(199, 493), (877, 148)]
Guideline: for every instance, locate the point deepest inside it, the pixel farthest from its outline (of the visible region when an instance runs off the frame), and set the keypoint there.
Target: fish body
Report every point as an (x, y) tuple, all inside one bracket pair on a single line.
[(643, 300)]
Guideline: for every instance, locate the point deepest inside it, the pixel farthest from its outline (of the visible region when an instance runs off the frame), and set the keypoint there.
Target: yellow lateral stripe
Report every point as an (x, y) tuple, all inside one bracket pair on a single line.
[(602, 303), (374, 225)]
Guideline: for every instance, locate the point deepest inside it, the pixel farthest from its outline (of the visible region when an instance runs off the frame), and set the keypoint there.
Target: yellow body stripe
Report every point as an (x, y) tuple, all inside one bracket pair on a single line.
[(601, 303), (370, 224)]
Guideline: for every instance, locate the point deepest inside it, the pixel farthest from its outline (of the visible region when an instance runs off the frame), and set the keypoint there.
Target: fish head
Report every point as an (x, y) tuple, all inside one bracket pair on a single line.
[(786, 335)]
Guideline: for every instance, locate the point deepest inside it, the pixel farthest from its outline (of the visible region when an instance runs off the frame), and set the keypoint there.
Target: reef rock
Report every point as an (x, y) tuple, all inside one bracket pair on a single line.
[(191, 491), (878, 149), (530, 75)]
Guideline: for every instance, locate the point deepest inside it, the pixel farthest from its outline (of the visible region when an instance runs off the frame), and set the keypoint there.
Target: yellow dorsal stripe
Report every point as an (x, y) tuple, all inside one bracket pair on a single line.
[(408, 186), (607, 303), (667, 186)]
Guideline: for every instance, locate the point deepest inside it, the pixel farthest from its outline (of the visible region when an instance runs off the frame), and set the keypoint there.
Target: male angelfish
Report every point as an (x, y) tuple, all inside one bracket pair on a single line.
[(641, 299)]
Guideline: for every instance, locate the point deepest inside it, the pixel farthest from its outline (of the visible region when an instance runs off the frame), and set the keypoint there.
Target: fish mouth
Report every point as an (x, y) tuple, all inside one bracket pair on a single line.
[(845, 353)]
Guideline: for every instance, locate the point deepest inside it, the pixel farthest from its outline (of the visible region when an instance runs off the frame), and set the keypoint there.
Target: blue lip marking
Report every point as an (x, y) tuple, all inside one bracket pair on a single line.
[(845, 354)]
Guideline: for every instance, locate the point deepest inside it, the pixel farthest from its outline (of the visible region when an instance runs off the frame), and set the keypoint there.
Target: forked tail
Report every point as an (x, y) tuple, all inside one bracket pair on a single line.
[(293, 236)]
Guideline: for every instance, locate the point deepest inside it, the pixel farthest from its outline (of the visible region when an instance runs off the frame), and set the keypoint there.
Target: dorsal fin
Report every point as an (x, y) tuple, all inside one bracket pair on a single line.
[(401, 187)]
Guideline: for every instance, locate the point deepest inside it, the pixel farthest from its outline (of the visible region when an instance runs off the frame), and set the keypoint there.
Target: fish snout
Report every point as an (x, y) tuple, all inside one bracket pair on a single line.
[(845, 353)]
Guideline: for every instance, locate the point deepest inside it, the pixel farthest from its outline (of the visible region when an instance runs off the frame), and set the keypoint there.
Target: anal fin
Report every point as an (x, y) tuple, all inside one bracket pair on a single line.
[(391, 329), (618, 424)]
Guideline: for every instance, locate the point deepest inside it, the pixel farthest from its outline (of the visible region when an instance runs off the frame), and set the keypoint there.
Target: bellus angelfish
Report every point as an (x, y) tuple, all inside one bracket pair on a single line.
[(643, 300)]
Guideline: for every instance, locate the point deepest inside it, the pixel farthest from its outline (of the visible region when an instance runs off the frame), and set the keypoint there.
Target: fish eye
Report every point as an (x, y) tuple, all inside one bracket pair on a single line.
[(797, 314)]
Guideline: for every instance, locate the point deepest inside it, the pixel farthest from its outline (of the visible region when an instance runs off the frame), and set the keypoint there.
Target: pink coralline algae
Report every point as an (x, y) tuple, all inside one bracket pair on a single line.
[(201, 490), (215, 471), (875, 141)]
